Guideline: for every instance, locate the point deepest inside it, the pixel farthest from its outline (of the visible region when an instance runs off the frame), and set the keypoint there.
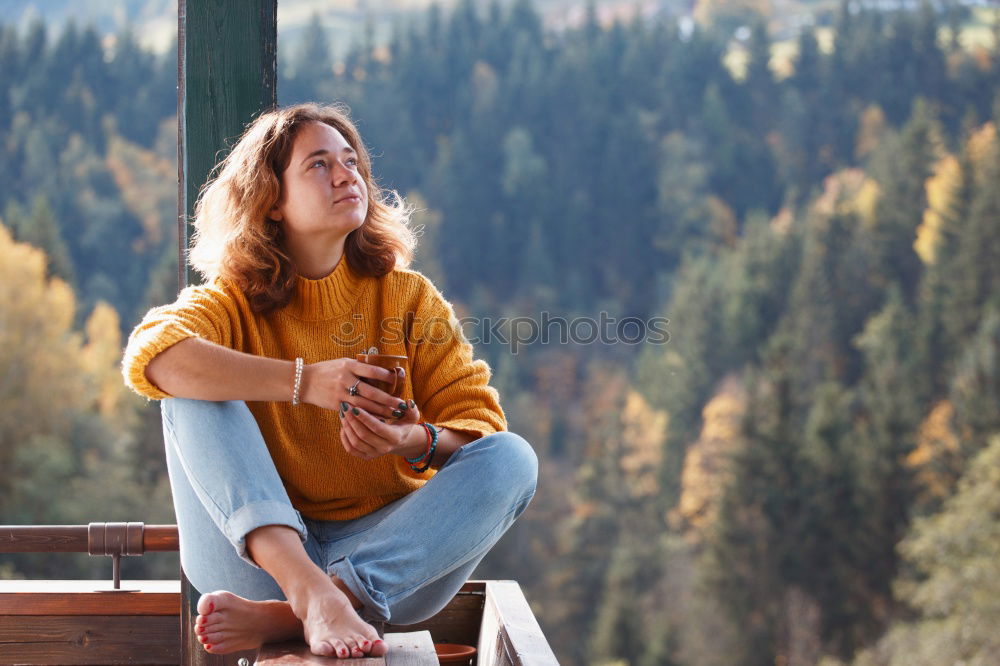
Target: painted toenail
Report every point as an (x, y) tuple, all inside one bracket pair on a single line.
[(211, 607)]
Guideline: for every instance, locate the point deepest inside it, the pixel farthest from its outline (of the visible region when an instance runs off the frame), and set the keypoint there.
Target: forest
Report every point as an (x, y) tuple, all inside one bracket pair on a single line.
[(806, 471)]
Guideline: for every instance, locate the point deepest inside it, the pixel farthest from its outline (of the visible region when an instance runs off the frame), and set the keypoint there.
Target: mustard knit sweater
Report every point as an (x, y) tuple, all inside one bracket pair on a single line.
[(341, 315)]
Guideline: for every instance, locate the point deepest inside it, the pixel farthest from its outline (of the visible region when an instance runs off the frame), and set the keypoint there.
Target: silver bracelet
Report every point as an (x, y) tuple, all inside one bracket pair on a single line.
[(298, 381)]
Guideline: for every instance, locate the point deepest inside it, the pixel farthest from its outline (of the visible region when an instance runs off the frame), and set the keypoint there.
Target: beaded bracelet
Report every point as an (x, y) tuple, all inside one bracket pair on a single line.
[(430, 452), (298, 381), (423, 455)]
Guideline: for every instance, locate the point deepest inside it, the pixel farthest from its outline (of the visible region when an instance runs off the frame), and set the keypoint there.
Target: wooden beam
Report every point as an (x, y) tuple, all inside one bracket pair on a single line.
[(227, 74), (81, 639), (510, 633), (89, 597)]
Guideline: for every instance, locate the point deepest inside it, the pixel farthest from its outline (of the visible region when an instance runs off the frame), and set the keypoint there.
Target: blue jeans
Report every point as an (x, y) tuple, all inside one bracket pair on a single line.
[(404, 562)]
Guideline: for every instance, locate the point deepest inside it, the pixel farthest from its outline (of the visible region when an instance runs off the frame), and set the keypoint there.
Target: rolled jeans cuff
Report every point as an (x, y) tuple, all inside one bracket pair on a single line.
[(258, 514), (373, 605)]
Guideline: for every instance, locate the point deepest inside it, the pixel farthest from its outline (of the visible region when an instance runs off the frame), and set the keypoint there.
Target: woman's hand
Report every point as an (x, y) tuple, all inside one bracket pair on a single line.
[(327, 384), (367, 436)]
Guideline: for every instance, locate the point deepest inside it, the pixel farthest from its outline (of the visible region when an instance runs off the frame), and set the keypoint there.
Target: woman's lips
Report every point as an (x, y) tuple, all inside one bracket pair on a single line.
[(349, 200)]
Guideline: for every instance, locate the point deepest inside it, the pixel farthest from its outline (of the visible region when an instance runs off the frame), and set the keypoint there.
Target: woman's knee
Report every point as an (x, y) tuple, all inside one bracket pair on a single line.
[(185, 416), (515, 460), (199, 409)]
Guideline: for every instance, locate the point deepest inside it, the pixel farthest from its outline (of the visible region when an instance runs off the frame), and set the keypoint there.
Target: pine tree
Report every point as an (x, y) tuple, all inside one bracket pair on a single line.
[(945, 314), (975, 389), (951, 578), (901, 205), (759, 83), (975, 281), (311, 63), (890, 395), (753, 553), (41, 230), (834, 508)]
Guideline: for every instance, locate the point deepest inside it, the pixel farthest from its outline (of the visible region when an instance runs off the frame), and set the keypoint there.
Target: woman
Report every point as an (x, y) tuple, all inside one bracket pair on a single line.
[(311, 501)]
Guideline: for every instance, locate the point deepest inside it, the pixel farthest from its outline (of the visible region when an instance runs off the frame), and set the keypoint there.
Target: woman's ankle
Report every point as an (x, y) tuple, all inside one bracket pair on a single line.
[(342, 586), (300, 591)]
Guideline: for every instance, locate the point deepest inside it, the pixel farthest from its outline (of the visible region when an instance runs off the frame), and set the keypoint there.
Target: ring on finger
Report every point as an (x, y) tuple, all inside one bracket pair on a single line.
[(353, 390)]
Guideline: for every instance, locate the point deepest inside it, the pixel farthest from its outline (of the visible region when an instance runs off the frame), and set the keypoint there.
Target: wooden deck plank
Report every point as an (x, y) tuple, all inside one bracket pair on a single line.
[(89, 597), (296, 653), (88, 640), (415, 648)]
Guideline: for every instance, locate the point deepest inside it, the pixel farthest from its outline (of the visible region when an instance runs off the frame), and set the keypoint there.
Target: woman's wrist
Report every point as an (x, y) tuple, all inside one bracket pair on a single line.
[(414, 443)]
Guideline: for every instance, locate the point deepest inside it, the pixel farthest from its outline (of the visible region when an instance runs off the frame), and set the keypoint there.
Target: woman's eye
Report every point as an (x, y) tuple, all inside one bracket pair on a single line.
[(352, 161), (319, 163)]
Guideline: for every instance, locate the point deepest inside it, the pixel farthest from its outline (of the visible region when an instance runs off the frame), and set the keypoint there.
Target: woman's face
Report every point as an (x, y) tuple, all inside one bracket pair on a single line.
[(321, 189)]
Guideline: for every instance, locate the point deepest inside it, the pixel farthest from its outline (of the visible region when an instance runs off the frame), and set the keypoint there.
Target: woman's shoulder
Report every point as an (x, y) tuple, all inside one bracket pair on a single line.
[(408, 280), (217, 292)]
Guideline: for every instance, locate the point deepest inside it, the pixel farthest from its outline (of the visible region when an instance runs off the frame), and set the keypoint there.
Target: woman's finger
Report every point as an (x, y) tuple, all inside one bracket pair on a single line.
[(411, 414), (370, 427), (375, 434), (371, 406), (359, 369), (356, 443)]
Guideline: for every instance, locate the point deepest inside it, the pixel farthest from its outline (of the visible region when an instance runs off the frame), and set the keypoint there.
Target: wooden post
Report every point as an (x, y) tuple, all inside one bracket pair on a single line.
[(226, 75)]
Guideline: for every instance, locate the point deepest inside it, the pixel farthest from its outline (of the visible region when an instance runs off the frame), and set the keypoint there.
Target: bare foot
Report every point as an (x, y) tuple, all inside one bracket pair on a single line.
[(330, 624), (228, 623)]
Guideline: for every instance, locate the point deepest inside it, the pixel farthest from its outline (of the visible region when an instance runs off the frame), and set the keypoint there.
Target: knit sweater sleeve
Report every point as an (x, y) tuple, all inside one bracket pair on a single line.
[(206, 311), (451, 388)]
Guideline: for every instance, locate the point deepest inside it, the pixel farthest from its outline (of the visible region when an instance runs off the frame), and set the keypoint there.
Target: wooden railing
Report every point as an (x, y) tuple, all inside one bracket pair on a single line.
[(149, 622), (110, 539)]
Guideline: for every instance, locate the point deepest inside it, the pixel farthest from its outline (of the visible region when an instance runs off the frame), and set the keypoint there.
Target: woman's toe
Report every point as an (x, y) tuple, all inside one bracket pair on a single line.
[(206, 604), (323, 649), (341, 649)]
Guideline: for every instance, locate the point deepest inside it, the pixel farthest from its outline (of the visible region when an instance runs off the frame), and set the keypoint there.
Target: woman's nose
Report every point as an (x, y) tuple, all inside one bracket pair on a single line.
[(343, 174)]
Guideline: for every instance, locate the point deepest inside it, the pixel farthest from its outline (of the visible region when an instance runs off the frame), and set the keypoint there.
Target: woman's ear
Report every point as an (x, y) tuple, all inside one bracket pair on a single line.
[(274, 214)]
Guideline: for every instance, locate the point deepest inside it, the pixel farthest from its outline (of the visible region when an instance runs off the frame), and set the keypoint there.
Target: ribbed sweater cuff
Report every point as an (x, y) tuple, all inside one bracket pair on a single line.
[(143, 348)]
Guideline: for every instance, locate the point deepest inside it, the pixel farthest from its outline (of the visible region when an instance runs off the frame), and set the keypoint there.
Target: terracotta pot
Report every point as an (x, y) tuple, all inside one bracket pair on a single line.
[(450, 653)]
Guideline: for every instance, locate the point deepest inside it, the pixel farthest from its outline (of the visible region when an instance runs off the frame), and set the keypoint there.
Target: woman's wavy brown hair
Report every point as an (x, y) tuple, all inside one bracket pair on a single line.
[(235, 240)]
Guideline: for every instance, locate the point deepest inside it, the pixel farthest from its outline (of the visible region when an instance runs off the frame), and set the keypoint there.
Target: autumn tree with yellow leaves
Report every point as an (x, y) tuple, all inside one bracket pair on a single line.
[(66, 420)]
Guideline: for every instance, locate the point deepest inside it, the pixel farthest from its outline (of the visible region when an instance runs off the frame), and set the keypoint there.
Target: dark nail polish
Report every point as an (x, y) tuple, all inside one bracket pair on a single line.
[(403, 405), (413, 404), (344, 406), (396, 413), (382, 420), (355, 410)]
